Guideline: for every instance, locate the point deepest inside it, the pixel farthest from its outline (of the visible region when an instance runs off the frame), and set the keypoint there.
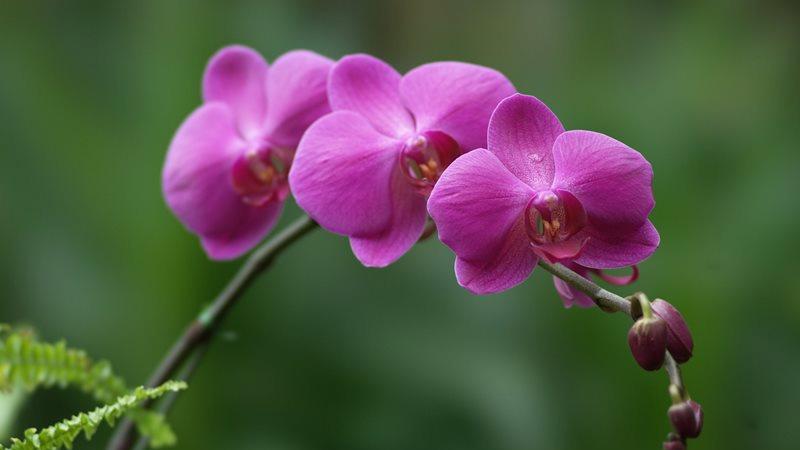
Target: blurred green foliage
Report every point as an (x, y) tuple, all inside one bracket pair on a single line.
[(402, 358)]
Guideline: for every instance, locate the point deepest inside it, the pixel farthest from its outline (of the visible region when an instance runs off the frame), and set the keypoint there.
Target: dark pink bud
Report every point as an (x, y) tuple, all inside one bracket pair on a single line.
[(679, 338), (686, 418), (648, 341), (674, 442), (425, 157)]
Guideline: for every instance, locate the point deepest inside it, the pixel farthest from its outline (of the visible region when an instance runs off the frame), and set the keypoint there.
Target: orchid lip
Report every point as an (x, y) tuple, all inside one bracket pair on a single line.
[(424, 158), (552, 221), (259, 175)]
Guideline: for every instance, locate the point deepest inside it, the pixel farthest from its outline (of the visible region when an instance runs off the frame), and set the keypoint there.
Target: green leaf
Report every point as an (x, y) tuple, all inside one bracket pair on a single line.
[(64, 433)]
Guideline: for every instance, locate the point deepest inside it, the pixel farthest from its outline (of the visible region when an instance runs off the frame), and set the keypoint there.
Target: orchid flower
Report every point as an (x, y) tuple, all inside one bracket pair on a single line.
[(366, 169), (225, 175), (542, 192)]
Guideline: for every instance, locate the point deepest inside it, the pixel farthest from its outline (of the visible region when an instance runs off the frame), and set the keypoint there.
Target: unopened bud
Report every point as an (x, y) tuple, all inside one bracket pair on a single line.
[(674, 442), (686, 418), (648, 341), (679, 338)]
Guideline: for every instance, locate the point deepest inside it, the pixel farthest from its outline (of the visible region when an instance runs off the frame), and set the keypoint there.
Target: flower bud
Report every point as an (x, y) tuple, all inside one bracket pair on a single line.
[(686, 418), (674, 442), (679, 338), (648, 341)]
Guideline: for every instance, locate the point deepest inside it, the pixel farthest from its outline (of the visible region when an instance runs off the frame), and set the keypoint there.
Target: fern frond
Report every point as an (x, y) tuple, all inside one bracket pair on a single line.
[(32, 364), (154, 426), (64, 433), (27, 362)]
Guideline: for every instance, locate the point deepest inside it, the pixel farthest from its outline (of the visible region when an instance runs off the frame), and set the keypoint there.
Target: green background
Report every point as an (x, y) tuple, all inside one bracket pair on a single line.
[(325, 354)]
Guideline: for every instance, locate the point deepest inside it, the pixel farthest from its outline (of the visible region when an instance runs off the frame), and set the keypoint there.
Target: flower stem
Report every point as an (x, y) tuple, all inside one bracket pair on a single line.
[(607, 301), (168, 401), (203, 328), (195, 340), (610, 302)]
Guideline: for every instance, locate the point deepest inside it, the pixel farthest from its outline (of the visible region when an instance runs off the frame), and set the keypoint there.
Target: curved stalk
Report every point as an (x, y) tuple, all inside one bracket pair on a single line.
[(196, 337), (205, 325), (610, 302)]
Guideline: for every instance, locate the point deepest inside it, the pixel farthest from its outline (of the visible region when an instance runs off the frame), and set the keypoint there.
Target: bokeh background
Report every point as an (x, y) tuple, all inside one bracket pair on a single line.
[(325, 354)]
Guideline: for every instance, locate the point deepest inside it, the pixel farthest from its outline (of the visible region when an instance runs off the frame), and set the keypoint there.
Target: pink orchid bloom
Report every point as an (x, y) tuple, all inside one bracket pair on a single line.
[(572, 296), (541, 192), (366, 169), (225, 176)]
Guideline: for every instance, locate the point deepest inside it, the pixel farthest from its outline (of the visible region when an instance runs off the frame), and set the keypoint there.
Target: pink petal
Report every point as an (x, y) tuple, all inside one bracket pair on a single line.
[(342, 172), (478, 208), (197, 185), (456, 98), (623, 280), (509, 266), (255, 223), (606, 251), (475, 203), (370, 87), (611, 180), (405, 228), (236, 76), (522, 131), (571, 296), (297, 95)]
